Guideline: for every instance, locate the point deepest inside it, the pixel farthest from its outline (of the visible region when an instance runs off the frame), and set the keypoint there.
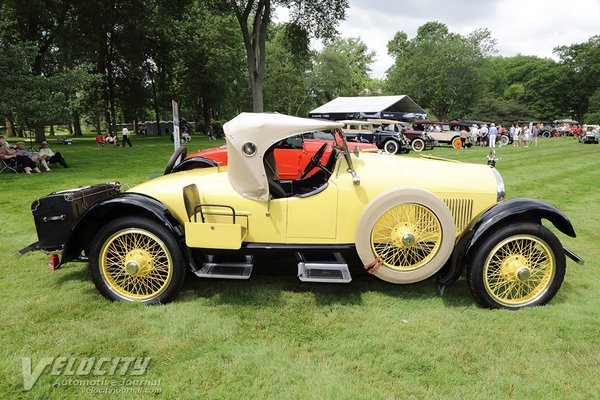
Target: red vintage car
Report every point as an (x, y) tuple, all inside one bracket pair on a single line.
[(292, 155)]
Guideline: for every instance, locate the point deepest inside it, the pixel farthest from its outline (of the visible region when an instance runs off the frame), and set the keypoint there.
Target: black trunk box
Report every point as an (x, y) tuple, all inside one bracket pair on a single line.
[(56, 213)]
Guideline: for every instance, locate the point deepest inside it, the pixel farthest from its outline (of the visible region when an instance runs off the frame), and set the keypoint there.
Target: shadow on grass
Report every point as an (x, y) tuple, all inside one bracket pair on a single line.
[(269, 281), (267, 291), (67, 274)]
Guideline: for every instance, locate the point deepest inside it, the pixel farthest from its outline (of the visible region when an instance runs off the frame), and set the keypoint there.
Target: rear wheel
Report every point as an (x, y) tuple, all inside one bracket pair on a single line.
[(136, 259), (457, 143), (519, 265), (391, 147), (504, 139), (418, 145)]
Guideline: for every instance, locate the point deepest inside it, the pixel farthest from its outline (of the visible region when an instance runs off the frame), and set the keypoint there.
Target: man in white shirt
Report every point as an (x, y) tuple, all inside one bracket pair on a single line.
[(126, 136), (492, 133)]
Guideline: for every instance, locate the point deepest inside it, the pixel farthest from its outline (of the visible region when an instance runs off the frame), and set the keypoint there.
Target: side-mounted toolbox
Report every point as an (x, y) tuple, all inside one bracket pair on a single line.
[(55, 214)]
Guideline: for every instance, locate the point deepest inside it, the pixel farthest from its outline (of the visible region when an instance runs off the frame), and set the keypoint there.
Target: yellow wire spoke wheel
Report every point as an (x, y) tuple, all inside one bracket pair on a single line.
[(519, 270), (136, 264), (406, 237)]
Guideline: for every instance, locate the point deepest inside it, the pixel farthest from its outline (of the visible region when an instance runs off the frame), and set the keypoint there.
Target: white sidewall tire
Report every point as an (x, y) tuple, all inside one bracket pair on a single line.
[(383, 202), (418, 145), (393, 145)]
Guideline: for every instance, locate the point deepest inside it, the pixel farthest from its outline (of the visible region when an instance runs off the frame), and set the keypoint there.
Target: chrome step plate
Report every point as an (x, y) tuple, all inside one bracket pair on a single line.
[(213, 268), (323, 268)]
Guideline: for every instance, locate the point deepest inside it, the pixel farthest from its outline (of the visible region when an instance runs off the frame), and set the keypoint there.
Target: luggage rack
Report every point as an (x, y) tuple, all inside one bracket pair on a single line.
[(198, 208)]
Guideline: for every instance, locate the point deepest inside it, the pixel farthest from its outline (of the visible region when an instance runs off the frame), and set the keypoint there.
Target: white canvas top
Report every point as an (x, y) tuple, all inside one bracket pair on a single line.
[(246, 171), (368, 104)]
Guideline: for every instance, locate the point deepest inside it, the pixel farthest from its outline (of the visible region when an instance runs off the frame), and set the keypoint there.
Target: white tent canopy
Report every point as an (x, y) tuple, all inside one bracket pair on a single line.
[(369, 107)]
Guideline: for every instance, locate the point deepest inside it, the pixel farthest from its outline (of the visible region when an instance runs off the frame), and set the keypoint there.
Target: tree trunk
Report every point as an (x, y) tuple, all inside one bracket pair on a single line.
[(40, 136), (52, 130), (97, 125), (155, 106), (254, 42), (10, 131), (107, 121), (76, 124), (257, 94), (206, 116)]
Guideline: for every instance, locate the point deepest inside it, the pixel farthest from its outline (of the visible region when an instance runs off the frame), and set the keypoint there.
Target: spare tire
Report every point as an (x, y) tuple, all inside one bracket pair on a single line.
[(405, 235)]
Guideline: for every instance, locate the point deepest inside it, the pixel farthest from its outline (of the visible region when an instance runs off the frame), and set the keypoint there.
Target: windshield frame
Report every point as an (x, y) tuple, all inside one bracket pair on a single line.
[(347, 156)]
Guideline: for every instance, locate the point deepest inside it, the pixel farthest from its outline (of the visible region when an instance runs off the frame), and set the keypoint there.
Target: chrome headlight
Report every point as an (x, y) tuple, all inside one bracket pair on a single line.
[(500, 189)]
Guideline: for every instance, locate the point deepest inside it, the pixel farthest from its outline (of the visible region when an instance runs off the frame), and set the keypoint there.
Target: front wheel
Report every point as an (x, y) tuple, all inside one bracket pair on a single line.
[(418, 145), (519, 265), (391, 147), (136, 259), (505, 140)]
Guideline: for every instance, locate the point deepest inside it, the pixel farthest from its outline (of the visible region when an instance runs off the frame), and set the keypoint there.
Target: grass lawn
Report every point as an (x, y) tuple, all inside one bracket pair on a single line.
[(275, 337)]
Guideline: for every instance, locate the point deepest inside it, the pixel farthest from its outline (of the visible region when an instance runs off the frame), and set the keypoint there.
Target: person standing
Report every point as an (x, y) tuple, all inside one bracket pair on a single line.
[(474, 134), (210, 132), (517, 138), (534, 135), (511, 132), (493, 134), (526, 136), (126, 139), (463, 137), (483, 134)]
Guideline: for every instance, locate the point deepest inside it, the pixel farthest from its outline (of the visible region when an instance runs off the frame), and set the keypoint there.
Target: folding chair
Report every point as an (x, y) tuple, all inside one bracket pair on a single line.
[(8, 167)]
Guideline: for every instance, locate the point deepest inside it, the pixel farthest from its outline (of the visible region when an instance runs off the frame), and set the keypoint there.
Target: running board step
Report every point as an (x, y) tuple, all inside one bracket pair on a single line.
[(324, 267), (239, 267)]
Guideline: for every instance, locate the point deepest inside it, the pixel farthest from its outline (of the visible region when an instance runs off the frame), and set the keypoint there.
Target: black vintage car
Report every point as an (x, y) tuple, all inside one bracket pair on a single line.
[(419, 140), (390, 141)]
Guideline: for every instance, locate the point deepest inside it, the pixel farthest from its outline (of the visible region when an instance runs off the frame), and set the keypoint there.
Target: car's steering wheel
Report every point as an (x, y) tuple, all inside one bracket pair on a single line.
[(177, 155), (315, 161)]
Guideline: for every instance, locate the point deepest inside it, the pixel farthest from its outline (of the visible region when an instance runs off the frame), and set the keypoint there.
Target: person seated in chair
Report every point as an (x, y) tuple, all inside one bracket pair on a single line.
[(11, 157), (110, 139), (35, 157), (52, 157)]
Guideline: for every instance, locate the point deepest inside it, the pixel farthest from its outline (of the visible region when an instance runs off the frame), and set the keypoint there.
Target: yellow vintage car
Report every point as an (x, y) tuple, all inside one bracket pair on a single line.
[(405, 227)]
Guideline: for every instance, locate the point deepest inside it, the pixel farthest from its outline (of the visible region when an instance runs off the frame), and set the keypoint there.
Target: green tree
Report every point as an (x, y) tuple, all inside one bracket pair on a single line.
[(440, 70), (39, 23), (287, 86), (593, 114), (540, 85), (342, 69), (210, 73), (318, 18), (582, 66)]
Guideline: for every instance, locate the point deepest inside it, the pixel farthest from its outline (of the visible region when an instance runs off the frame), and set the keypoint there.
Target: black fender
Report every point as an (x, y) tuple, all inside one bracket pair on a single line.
[(123, 204), (193, 163), (519, 209)]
